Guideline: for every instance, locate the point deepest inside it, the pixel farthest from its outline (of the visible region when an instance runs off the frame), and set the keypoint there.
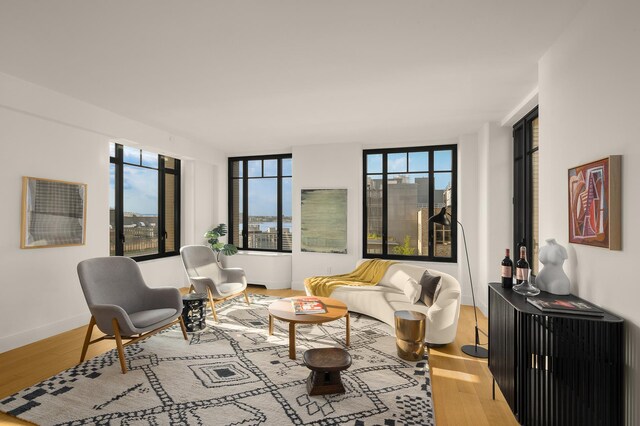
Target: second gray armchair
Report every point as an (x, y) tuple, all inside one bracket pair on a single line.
[(207, 276)]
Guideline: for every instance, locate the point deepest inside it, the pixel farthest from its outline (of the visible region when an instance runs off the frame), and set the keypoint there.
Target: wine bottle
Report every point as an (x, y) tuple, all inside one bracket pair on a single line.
[(522, 266), (507, 271)]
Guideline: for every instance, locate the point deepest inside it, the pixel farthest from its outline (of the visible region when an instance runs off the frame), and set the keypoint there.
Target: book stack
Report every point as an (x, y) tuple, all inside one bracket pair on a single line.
[(562, 306), (308, 305)]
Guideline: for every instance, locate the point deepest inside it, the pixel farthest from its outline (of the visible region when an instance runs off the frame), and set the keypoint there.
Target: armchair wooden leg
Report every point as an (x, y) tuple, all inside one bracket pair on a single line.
[(184, 329), (116, 332), (87, 338), (213, 306), (246, 297), (192, 289)]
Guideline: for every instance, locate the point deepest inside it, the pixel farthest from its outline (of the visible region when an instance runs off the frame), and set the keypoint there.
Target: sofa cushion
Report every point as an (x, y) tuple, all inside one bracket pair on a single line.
[(400, 280), (430, 284), (412, 290)]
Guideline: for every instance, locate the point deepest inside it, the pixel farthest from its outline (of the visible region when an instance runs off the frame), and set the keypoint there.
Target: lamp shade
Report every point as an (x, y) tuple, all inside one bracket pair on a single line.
[(441, 218)]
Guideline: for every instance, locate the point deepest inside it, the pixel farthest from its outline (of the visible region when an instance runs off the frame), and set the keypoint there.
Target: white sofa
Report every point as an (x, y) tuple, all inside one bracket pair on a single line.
[(382, 300)]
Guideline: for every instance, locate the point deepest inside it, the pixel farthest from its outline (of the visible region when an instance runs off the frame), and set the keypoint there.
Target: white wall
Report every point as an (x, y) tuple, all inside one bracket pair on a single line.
[(468, 199), (327, 166), (589, 94), (50, 135), (495, 207)]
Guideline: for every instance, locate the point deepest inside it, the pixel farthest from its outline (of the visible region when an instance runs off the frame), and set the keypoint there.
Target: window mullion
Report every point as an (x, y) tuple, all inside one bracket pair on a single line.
[(161, 227), (384, 204), (454, 205), (119, 202), (432, 184), (279, 218), (177, 205), (245, 204)]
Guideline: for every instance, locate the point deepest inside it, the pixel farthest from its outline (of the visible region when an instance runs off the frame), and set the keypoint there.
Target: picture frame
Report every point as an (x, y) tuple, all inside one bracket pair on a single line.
[(324, 221), (595, 203), (54, 213)]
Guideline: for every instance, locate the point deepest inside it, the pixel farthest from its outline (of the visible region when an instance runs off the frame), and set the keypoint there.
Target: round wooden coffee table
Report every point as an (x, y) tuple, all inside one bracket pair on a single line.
[(283, 310)]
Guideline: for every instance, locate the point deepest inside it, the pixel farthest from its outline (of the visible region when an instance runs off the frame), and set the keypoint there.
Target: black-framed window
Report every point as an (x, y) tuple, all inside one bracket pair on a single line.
[(525, 187), (402, 188), (260, 202), (144, 204)]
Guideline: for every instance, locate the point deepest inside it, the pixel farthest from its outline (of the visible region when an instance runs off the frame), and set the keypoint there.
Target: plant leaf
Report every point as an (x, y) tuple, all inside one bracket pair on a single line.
[(229, 250)]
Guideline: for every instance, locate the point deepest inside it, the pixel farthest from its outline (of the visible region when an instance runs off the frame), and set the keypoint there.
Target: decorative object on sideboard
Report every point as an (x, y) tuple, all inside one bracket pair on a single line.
[(506, 271), (595, 203), (53, 213), (527, 287), (443, 218), (524, 277), (323, 217), (551, 277), (213, 239)]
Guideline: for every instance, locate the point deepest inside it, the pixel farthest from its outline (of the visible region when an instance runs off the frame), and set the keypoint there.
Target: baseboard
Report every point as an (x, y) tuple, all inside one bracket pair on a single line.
[(270, 285), (468, 300), (33, 335)]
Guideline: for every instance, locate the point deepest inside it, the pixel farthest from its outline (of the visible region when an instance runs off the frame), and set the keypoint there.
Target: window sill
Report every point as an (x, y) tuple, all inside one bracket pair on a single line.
[(155, 257), (263, 253)]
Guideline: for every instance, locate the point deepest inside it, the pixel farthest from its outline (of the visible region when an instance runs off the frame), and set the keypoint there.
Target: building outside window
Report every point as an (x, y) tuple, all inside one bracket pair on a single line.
[(403, 187), (260, 202), (144, 203)]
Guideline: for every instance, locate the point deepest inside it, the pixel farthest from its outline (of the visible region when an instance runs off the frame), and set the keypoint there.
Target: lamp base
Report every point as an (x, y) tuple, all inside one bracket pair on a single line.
[(475, 351)]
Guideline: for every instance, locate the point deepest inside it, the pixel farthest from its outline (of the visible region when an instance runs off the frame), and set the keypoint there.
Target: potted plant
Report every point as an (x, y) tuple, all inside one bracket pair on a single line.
[(213, 239)]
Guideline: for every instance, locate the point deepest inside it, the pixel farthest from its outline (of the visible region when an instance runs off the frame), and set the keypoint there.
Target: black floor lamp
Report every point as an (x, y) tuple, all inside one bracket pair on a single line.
[(474, 350)]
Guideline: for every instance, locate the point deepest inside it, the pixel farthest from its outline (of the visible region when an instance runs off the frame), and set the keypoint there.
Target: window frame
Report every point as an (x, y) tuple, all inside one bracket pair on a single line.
[(245, 199), (431, 149), (523, 184), (119, 162)]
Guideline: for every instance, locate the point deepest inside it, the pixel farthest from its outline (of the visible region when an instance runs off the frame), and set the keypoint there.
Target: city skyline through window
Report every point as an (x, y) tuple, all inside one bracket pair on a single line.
[(260, 202), (403, 187), (143, 203)]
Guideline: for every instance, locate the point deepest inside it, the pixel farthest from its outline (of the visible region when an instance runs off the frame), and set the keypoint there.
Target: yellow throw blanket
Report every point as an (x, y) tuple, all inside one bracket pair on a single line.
[(370, 272)]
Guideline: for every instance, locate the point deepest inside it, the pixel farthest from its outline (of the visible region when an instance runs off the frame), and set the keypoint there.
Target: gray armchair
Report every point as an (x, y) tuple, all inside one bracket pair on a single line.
[(121, 304), (206, 276)]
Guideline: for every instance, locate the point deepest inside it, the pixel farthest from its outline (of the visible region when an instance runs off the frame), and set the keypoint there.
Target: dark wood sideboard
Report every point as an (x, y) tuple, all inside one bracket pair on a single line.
[(556, 369)]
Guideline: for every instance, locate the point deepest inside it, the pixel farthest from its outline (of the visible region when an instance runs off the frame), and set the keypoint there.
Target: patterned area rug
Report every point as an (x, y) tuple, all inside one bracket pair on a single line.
[(233, 373)]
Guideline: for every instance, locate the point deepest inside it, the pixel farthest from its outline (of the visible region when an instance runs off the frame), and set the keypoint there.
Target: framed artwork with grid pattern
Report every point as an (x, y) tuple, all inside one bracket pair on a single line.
[(53, 213)]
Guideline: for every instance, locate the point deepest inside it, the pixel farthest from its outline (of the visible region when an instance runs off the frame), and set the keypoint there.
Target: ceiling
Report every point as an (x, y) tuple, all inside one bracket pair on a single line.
[(257, 75)]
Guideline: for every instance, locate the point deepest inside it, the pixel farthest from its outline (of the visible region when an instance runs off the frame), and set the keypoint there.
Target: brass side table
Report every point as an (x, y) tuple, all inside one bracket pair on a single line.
[(410, 329)]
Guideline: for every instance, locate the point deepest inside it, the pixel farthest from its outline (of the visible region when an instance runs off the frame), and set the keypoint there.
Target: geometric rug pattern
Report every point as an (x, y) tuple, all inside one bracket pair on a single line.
[(234, 373)]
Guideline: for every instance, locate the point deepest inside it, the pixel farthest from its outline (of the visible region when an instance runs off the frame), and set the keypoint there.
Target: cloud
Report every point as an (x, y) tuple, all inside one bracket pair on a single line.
[(140, 190)]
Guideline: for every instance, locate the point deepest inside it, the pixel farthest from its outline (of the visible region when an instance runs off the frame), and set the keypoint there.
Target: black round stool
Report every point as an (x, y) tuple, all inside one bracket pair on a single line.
[(193, 311)]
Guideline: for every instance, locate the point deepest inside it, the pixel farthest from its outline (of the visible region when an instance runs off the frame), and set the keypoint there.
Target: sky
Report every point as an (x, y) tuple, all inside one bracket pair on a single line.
[(263, 192), (140, 184), (140, 190)]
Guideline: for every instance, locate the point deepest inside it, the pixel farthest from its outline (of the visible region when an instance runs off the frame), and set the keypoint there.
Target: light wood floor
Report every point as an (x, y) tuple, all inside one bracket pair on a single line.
[(461, 384)]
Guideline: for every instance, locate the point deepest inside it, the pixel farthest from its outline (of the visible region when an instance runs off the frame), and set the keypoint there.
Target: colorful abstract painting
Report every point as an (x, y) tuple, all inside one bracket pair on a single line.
[(324, 221), (594, 203)]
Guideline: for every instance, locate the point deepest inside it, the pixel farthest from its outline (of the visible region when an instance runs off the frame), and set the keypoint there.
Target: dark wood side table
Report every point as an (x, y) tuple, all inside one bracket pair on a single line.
[(325, 365), (193, 311), (556, 369)]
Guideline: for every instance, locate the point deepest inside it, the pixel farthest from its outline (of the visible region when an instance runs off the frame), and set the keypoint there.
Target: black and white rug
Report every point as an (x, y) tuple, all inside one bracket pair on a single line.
[(233, 373)]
